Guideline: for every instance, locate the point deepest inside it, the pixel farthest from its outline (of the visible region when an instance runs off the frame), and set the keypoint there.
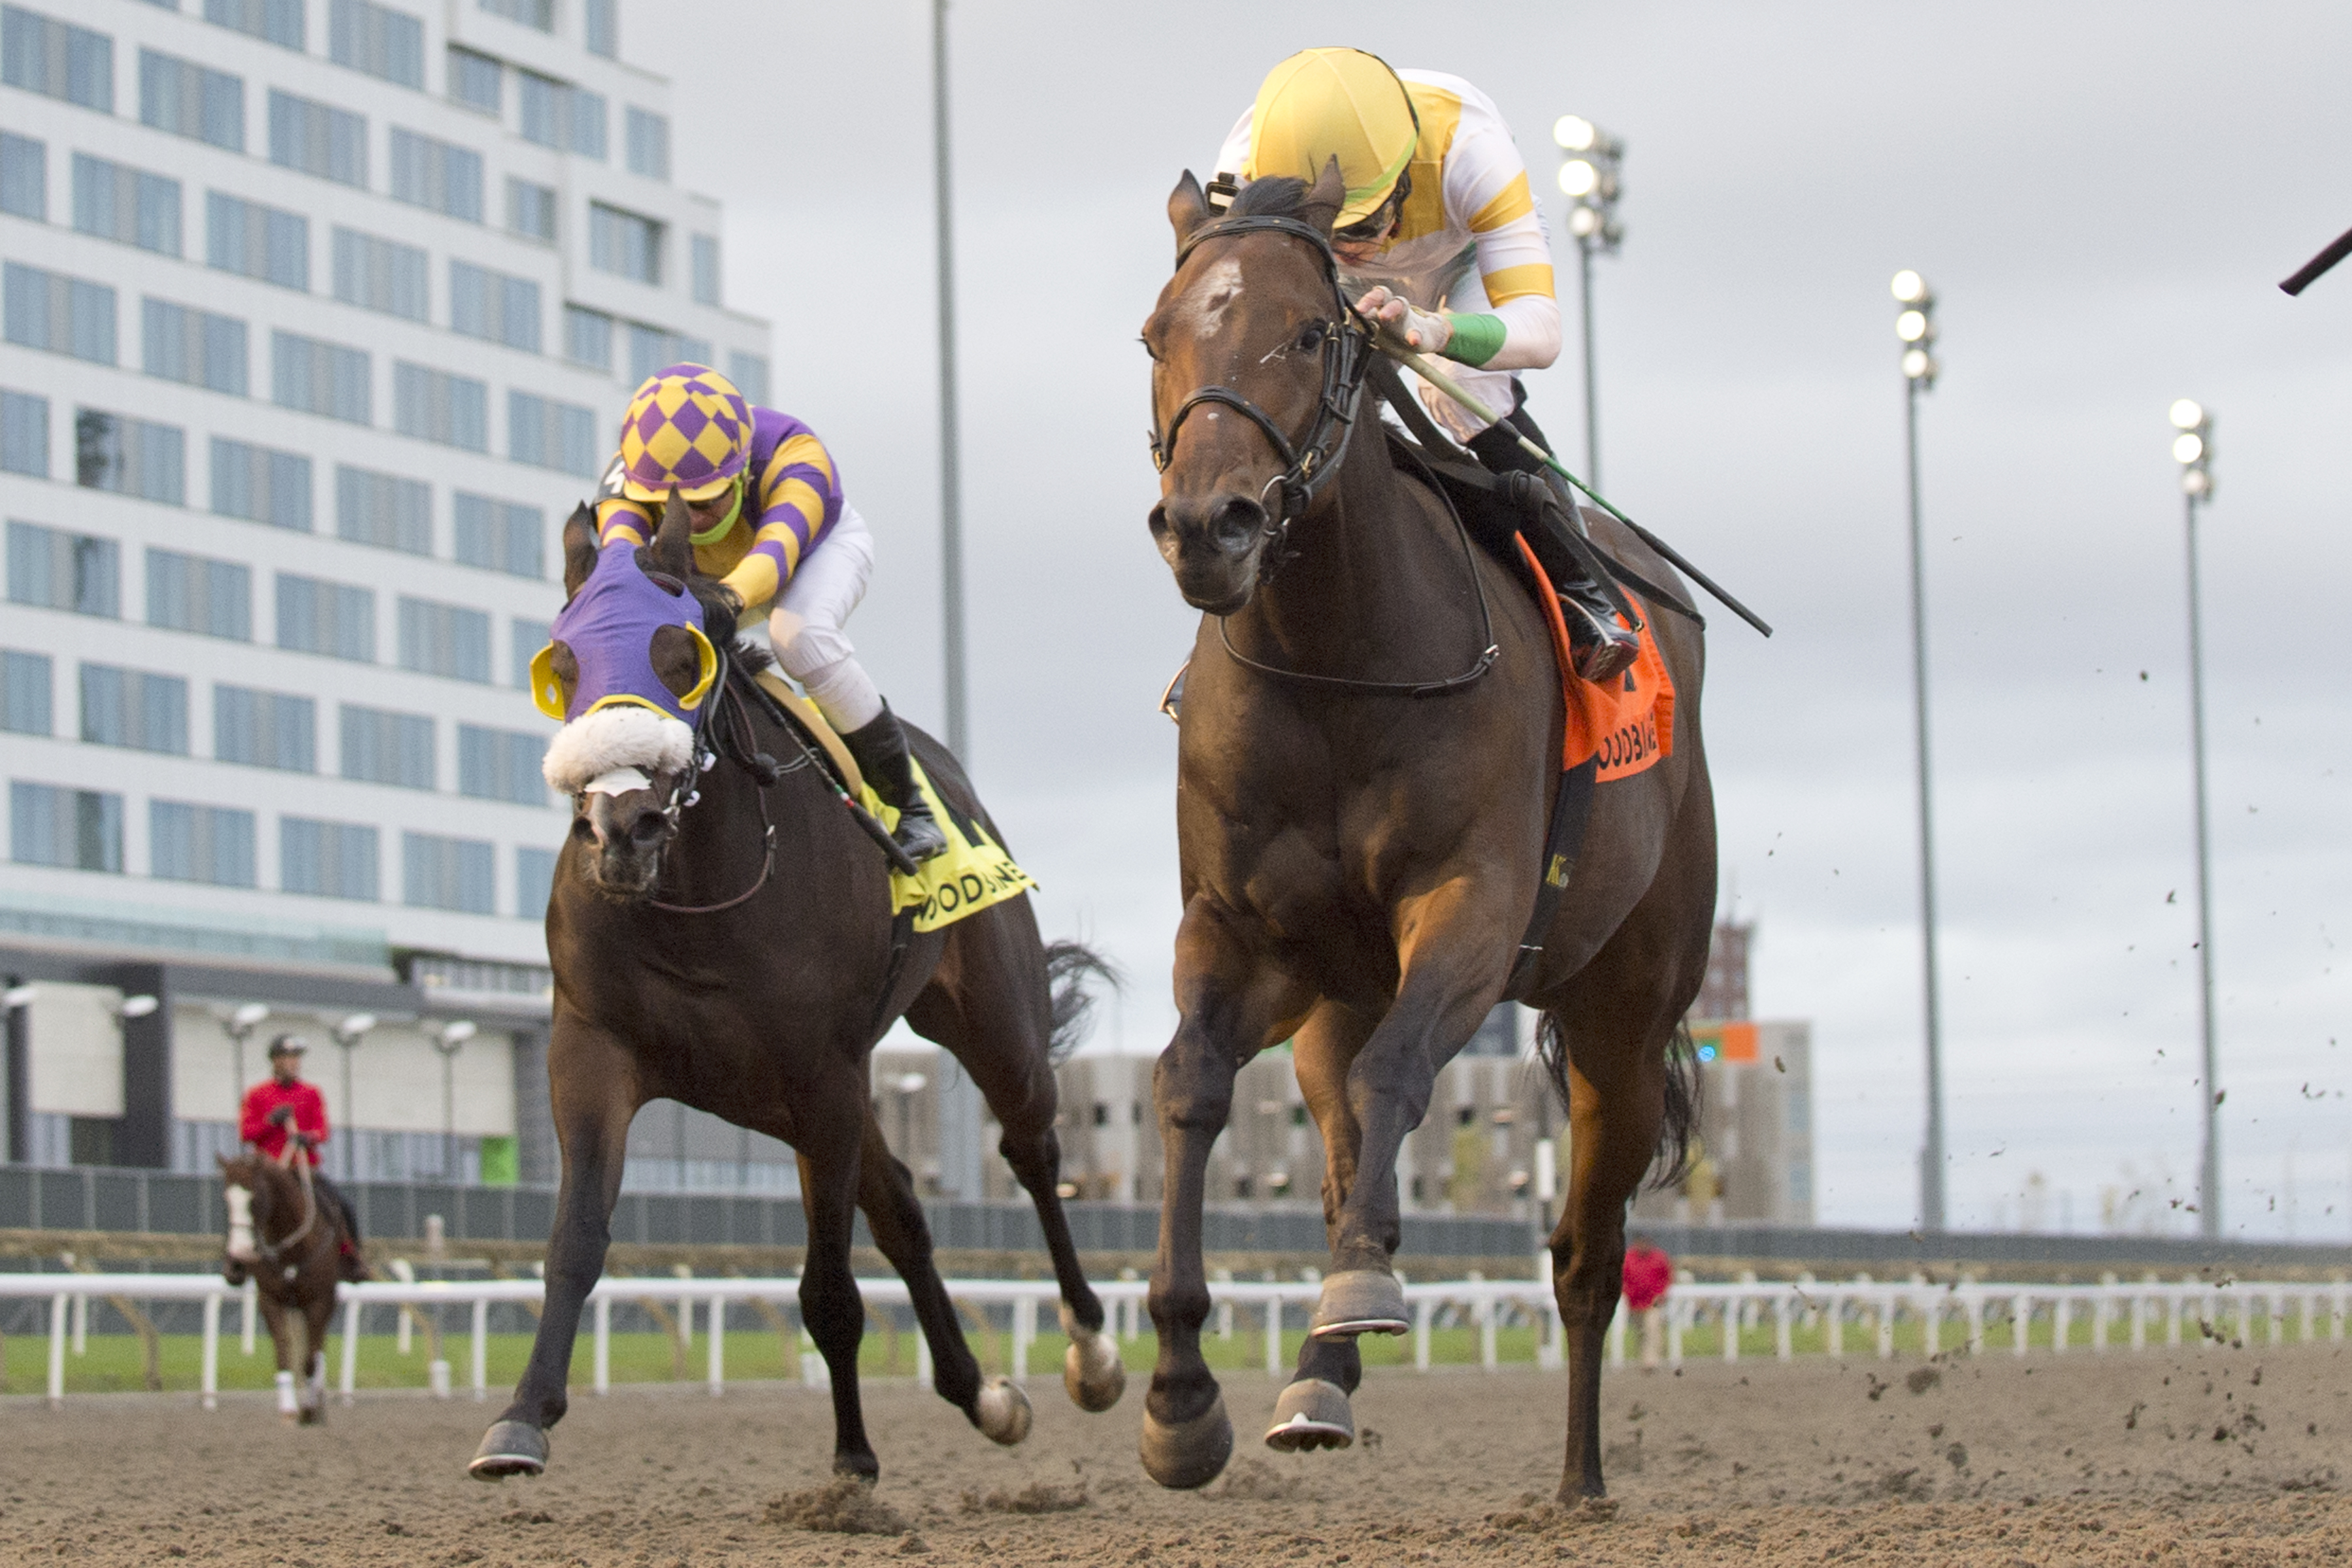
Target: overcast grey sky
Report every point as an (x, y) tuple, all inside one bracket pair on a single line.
[(2103, 199)]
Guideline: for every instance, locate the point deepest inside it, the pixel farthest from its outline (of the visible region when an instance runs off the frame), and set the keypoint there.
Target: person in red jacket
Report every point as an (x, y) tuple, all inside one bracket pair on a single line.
[(284, 1107), (1648, 1272)]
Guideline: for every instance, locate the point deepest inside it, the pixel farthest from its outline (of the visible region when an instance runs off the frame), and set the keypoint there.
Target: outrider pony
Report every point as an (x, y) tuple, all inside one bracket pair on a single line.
[(729, 944), (1372, 741), (290, 1244)]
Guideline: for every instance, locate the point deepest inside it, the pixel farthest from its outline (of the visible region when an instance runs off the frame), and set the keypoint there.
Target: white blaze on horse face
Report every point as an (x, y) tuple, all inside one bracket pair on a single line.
[(620, 781), (240, 1224), (1205, 305)]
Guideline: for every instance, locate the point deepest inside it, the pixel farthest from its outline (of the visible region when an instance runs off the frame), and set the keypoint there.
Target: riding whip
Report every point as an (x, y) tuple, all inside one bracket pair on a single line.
[(2311, 269), (1421, 366)]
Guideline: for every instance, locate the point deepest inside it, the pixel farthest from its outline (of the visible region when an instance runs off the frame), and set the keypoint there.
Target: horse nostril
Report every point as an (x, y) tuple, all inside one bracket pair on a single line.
[(1157, 520), (584, 831), (1238, 523), (646, 830)]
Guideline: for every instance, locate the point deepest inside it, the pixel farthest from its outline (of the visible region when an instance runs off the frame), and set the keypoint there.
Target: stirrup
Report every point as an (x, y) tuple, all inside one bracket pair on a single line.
[(919, 833), (1601, 649)]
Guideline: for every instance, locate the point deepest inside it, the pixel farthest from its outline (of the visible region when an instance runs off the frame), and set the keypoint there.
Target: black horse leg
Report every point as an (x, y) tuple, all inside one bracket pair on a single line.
[(1309, 1415), (596, 1099), (831, 1307), (887, 1194)]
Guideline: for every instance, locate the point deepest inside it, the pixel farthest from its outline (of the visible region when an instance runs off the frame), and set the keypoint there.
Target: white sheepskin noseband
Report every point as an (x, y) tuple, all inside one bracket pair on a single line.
[(621, 736)]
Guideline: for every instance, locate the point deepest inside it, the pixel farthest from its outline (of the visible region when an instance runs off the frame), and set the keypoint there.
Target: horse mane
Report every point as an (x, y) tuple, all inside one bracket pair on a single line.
[(719, 617), (1277, 196)]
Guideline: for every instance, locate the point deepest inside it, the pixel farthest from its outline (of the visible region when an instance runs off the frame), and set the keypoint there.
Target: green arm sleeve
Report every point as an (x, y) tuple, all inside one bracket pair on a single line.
[(1476, 339)]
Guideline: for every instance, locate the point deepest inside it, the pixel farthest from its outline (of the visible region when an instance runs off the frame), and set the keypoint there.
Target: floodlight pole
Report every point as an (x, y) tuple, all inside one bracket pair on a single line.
[(1931, 1157), (951, 631), (2209, 1162), (1591, 375)]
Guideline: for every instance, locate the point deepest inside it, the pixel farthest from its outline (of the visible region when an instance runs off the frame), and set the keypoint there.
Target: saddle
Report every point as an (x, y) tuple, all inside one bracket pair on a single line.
[(806, 715)]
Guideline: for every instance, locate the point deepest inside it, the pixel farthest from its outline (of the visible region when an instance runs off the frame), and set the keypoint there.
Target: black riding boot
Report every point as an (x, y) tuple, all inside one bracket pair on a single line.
[(880, 749), (350, 1265), (1603, 647)]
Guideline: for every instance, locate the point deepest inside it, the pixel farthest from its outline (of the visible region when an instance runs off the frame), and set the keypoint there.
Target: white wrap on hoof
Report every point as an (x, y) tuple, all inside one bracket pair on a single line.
[(1191, 1453), (1091, 1369), (1311, 1415), (1358, 1302), (1003, 1412), (287, 1408), (510, 1449)]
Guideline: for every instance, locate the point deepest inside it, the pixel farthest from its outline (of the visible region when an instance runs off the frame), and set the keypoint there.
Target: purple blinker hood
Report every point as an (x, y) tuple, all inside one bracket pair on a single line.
[(609, 627)]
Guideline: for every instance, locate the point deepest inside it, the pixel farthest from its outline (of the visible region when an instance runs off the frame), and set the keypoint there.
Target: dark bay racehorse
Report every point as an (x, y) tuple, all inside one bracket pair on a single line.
[(281, 1234), (729, 945), (1358, 864)]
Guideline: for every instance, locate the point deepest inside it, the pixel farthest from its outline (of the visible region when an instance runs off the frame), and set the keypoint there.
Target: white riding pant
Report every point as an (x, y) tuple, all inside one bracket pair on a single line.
[(805, 626)]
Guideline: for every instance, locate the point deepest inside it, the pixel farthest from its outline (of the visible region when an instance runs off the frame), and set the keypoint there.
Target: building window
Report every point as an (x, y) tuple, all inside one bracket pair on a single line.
[(64, 315), (657, 348), (113, 201), (381, 274), (551, 435), (603, 28), (318, 139), (434, 405), (183, 97), (24, 177), (80, 829), (25, 690), (648, 143), (588, 337), (558, 115), (445, 640), (197, 593), (501, 764), (438, 873), (25, 434), (534, 882), (528, 637), (531, 210), (494, 305), (327, 859), (437, 175), (749, 374), (332, 618), (55, 58), (130, 456), (199, 844), (623, 243), (261, 486), (376, 39), (257, 241), (265, 729), (706, 270), (387, 748), (318, 378), (383, 510), (193, 346), (277, 22), (477, 81), (136, 709), (60, 571), (540, 14), (500, 535)]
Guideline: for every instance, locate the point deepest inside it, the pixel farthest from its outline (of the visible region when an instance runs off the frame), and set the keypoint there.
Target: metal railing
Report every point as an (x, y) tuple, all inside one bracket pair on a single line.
[(1871, 1310)]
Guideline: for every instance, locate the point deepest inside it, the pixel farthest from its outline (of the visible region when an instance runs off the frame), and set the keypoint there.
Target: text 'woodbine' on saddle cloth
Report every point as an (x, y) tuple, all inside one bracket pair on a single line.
[(1626, 725), (975, 872)]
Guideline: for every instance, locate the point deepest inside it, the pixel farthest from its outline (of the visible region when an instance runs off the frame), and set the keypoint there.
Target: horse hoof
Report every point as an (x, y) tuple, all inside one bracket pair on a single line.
[(1091, 1369), (1190, 1453), (510, 1449), (1311, 1415), (1360, 1301), (1004, 1412)]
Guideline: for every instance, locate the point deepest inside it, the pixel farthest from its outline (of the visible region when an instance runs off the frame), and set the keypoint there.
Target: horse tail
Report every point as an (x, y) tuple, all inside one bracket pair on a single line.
[(1069, 965), (1684, 1098)]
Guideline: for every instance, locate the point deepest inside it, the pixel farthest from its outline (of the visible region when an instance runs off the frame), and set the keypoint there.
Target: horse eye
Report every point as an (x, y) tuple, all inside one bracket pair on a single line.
[(1311, 335)]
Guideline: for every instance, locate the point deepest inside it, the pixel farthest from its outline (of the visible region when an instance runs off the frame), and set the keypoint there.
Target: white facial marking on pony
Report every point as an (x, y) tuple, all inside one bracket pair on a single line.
[(1206, 304), (240, 1224)]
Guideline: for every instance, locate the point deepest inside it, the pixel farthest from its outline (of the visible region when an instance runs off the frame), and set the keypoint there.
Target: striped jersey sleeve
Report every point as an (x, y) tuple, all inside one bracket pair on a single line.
[(798, 493), (1488, 194)]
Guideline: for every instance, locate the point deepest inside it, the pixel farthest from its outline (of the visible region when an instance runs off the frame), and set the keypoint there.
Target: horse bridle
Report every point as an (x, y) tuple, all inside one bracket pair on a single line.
[(731, 738), (1347, 356)]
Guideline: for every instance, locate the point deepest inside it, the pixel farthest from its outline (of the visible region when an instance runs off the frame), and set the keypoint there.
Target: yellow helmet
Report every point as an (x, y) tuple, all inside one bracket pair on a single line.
[(1321, 104)]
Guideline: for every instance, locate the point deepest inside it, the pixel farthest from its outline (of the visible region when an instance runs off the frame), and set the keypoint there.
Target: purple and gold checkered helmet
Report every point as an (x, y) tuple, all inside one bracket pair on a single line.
[(687, 426)]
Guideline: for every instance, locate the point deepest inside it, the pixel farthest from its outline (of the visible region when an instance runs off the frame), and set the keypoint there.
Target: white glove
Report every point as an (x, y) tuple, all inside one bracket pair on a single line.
[(1419, 328)]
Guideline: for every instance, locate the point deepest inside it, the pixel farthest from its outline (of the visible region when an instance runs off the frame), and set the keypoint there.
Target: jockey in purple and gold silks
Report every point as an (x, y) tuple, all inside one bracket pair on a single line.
[(771, 522)]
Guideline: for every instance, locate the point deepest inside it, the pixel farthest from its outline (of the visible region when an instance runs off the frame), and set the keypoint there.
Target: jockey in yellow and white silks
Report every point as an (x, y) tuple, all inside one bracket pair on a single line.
[(1429, 165), (771, 521)]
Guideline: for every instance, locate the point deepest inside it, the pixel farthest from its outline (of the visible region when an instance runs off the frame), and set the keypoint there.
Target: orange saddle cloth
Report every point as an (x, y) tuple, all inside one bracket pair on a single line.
[(1625, 726)]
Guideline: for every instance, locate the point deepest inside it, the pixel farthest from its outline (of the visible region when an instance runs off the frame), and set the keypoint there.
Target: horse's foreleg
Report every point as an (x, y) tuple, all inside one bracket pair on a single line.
[(831, 1307), (275, 1318), (1312, 1410), (318, 1318), (595, 1091), (1231, 1008), (887, 1194)]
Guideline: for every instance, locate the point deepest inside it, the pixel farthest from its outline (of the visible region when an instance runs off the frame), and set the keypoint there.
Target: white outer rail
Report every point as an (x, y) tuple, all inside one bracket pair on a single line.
[(1872, 1306)]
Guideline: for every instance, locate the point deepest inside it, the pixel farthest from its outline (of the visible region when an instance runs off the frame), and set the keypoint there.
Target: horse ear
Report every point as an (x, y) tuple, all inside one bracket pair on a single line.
[(1328, 195), (579, 548), (1188, 209), (673, 548)]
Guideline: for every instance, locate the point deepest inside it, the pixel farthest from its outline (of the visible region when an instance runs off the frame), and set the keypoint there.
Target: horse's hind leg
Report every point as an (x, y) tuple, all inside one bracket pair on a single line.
[(887, 1194), (281, 1324), (594, 1085), (318, 1318)]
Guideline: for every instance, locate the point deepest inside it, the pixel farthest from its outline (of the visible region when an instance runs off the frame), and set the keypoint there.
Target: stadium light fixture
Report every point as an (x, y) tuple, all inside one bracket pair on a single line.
[(1590, 161), (2192, 448)]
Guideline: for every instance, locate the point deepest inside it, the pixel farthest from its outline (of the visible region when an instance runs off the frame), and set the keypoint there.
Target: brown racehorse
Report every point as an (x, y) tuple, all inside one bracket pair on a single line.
[(687, 969), (289, 1242), (1358, 864)]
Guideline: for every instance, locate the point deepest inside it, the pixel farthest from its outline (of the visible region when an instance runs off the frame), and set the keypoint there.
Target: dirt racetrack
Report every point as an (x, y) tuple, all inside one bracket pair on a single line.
[(2176, 1458)]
